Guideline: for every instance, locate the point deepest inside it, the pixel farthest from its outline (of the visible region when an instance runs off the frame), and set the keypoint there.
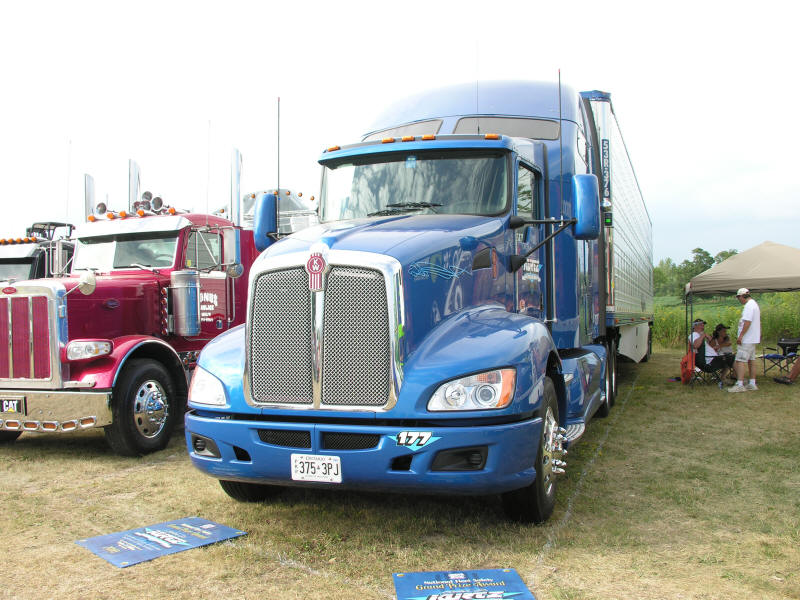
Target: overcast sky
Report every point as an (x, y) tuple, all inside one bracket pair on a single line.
[(703, 92)]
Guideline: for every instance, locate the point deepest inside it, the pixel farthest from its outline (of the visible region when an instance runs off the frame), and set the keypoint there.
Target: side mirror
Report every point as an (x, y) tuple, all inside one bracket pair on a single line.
[(87, 283), (586, 192), (265, 220)]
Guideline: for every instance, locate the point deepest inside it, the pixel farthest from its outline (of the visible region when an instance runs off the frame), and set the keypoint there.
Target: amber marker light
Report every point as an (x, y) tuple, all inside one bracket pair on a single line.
[(388, 140), (92, 218), (111, 216), (140, 212), (171, 210), (407, 138), (428, 137), (334, 148), (18, 240), (122, 214), (492, 136)]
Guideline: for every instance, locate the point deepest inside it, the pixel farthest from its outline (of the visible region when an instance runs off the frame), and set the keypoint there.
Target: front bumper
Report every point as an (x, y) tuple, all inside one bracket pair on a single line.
[(53, 411), (242, 454)]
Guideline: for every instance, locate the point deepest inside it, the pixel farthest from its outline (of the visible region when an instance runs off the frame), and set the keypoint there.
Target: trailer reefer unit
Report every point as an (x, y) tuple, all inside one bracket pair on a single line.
[(443, 329)]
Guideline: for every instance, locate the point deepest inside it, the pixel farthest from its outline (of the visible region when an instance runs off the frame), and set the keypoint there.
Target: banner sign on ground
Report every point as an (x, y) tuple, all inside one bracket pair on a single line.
[(146, 543), (484, 584)]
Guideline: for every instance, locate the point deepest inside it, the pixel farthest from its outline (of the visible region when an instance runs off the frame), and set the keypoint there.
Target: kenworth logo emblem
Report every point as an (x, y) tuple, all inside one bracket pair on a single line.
[(315, 267)]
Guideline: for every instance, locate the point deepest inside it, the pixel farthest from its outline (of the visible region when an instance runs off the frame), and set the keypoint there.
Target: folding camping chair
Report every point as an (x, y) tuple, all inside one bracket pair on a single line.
[(782, 358), (703, 372)]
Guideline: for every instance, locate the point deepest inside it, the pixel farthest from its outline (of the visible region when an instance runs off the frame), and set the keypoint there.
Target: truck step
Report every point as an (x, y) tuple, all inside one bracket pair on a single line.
[(574, 431)]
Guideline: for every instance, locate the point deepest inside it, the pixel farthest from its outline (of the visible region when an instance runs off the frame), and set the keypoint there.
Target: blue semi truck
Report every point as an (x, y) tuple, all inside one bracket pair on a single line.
[(453, 322)]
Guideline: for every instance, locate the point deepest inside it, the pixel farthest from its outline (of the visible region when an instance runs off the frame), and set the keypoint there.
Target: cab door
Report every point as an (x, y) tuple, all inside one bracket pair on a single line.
[(530, 277), (204, 253)]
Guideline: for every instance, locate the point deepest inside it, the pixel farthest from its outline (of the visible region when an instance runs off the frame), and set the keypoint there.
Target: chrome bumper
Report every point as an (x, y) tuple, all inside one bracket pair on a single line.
[(54, 412)]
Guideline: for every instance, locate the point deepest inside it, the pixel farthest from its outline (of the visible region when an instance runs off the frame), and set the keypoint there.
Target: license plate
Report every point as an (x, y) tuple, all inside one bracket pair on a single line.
[(13, 404), (313, 467)]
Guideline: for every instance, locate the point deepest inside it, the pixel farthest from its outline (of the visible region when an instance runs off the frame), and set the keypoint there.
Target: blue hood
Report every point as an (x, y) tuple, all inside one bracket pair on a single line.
[(436, 253)]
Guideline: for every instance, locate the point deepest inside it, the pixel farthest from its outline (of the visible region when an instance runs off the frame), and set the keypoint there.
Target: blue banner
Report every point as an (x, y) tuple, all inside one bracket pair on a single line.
[(484, 584), (146, 543)]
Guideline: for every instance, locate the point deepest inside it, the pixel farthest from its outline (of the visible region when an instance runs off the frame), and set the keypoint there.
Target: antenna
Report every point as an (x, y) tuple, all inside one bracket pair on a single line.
[(477, 88), (208, 163), (560, 151), (279, 146)]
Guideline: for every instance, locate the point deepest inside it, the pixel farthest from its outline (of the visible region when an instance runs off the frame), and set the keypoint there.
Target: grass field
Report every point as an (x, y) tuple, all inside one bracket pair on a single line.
[(680, 493)]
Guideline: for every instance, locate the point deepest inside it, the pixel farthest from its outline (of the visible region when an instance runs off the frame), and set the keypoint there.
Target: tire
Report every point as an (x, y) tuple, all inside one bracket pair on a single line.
[(611, 380), (535, 503), (6, 437), (249, 492), (144, 409)]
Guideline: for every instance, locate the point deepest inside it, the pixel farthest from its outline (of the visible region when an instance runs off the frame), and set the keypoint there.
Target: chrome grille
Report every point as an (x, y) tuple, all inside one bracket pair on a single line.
[(25, 352), (280, 338), (355, 343), (330, 349)]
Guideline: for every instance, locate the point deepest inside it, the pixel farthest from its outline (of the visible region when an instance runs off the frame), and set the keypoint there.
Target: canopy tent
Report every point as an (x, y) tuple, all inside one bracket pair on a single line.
[(768, 267)]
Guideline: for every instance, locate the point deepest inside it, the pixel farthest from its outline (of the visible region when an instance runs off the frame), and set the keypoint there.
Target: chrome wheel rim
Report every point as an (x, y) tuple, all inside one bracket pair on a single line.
[(150, 409), (549, 448)]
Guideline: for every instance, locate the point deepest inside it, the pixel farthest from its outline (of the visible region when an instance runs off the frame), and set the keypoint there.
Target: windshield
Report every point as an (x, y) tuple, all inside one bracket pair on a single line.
[(104, 253), (16, 270), (423, 182)]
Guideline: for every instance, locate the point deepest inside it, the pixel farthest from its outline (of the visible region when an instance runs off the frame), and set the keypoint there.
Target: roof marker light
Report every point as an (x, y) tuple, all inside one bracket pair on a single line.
[(122, 214), (171, 210), (334, 148), (92, 218), (428, 137), (492, 136), (140, 212), (389, 140), (407, 138), (111, 215)]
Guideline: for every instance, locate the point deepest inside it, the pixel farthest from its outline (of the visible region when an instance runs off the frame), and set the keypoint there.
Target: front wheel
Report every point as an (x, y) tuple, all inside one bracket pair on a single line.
[(144, 409), (6, 437), (535, 503), (249, 492)]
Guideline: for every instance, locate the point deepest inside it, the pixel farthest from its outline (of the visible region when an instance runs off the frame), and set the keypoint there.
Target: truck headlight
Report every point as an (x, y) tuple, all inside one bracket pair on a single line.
[(206, 389), (83, 349), (484, 391)]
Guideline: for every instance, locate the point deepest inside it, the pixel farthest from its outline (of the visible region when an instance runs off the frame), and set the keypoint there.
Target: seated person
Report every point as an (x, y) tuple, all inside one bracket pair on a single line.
[(720, 340), (717, 362)]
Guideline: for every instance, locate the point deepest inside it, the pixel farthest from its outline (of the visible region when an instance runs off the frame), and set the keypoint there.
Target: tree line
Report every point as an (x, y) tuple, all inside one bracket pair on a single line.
[(670, 279)]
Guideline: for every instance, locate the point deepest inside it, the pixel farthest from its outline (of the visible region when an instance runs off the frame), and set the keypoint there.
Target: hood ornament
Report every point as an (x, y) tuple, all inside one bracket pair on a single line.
[(316, 267)]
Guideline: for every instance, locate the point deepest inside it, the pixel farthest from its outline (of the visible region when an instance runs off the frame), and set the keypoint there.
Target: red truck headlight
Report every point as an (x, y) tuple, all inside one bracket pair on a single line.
[(83, 349)]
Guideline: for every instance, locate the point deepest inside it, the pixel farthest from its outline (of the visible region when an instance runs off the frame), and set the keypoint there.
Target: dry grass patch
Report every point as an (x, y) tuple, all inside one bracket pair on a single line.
[(680, 493)]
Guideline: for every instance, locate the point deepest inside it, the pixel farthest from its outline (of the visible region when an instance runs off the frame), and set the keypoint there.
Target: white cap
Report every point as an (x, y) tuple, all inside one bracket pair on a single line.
[(742, 292)]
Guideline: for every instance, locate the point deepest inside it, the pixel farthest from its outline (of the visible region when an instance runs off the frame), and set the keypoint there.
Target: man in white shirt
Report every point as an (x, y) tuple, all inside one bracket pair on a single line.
[(749, 335)]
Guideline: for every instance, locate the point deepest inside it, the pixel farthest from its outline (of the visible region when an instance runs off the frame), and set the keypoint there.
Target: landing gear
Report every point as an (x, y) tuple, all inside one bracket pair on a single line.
[(535, 503)]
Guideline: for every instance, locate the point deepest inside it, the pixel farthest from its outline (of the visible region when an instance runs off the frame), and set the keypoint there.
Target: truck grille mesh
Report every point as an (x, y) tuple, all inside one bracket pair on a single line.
[(24, 338), (356, 354), (355, 344), (280, 341)]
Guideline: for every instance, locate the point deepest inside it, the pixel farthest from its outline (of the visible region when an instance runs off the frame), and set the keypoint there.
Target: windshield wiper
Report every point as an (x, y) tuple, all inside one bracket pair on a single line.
[(144, 268), (398, 207)]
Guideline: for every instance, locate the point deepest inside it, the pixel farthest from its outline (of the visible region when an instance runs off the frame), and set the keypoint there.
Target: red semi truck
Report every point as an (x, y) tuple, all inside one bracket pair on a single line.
[(114, 343)]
